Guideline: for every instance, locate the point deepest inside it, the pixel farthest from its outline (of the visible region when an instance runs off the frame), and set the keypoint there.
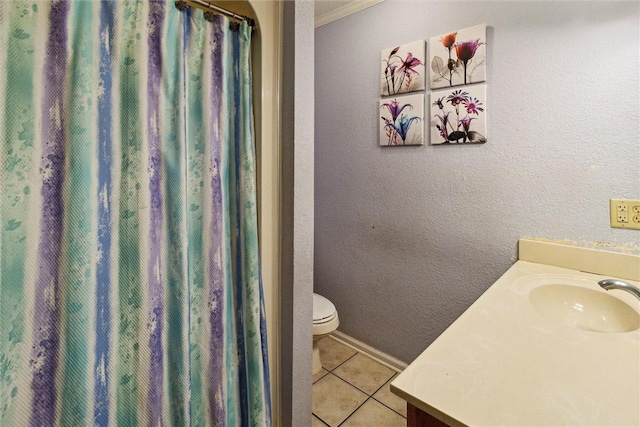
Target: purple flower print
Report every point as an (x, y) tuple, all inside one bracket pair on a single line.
[(438, 103), (408, 69), (399, 72), (463, 54), (410, 63), (442, 127), (402, 128), (473, 105), (466, 122), (392, 63), (395, 109), (391, 134), (444, 119), (397, 128), (466, 51), (451, 125), (457, 97)]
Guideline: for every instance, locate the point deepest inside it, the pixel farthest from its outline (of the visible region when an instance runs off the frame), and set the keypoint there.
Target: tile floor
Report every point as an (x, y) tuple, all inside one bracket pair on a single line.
[(353, 390)]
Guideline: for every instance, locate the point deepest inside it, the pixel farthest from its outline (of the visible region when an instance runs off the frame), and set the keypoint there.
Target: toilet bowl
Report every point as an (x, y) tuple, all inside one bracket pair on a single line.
[(325, 321)]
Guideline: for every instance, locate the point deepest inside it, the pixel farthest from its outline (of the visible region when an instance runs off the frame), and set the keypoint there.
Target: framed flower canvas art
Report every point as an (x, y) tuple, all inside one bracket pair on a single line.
[(402, 69), (401, 120), (458, 58), (459, 115)]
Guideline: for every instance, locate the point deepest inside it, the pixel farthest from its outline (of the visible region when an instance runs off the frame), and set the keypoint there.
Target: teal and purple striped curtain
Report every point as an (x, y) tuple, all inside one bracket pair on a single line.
[(130, 287)]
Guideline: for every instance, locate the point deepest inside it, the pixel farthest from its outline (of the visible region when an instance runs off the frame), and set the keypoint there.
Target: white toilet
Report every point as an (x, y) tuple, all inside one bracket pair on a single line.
[(325, 321)]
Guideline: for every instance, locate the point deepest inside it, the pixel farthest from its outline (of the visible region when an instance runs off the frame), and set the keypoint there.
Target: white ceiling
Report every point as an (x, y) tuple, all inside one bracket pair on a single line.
[(329, 10)]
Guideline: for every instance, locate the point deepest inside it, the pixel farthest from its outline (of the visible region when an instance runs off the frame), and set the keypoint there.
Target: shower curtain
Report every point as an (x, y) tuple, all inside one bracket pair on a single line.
[(130, 287)]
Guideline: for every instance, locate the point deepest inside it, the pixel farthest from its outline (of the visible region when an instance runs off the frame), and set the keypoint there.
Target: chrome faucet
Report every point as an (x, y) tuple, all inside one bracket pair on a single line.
[(609, 284)]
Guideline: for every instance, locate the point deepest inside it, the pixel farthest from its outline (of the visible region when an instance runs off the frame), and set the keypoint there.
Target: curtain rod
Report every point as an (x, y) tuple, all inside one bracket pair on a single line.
[(206, 6)]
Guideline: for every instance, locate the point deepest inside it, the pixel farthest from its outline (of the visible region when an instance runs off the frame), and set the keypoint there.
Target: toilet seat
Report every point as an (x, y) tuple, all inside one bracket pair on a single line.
[(325, 321), (323, 310)]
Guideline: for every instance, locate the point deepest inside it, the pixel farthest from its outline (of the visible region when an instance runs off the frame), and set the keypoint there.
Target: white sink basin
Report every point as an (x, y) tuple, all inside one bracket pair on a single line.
[(584, 308)]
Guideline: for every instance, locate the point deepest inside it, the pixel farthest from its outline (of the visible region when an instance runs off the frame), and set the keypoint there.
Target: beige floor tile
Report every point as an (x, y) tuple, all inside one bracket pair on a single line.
[(375, 414), (364, 373), (385, 396), (315, 422), (334, 400), (333, 353), (320, 374)]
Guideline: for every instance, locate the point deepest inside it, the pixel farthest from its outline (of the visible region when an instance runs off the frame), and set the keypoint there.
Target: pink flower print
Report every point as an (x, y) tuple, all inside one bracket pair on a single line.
[(473, 105)]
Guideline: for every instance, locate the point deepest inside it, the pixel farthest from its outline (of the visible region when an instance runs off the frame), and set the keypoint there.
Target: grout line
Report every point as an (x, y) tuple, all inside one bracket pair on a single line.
[(321, 376), (388, 407), (358, 388), (358, 407), (320, 419), (353, 385), (381, 402), (369, 396), (343, 380), (354, 411), (343, 362), (383, 384)]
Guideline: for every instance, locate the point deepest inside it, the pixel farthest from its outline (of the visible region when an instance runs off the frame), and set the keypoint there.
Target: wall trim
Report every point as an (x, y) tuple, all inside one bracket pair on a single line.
[(377, 355), (346, 10)]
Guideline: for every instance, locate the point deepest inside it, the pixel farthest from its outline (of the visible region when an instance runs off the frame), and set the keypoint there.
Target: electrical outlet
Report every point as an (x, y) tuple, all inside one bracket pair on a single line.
[(625, 213), (621, 212)]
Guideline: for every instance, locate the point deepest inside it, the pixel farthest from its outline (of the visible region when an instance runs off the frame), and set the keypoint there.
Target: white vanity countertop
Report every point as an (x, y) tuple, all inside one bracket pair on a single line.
[(502, 363)]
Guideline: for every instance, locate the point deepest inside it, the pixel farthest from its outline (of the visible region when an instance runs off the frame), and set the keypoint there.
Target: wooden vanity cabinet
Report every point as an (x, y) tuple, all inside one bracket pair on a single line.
[(418, 418)]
